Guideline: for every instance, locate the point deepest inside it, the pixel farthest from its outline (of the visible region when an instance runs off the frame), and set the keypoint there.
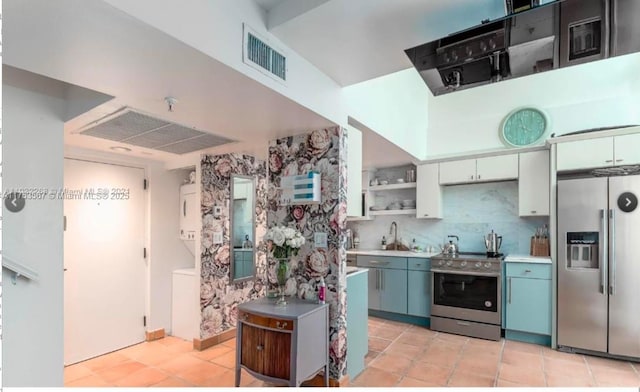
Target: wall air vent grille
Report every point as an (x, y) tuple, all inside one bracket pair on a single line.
[(263, 57), (129, 127)]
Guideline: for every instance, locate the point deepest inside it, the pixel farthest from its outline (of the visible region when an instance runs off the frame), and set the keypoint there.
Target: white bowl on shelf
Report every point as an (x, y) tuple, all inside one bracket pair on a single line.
[(408, 203)]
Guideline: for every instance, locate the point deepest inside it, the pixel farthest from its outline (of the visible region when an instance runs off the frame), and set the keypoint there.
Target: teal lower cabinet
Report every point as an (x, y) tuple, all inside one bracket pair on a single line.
[(399, 287), (357, 324), (419, 287), (528, 302), (393, 292)]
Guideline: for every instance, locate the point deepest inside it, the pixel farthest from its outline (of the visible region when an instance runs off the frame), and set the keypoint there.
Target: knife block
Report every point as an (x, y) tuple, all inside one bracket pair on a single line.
[(539, 246)]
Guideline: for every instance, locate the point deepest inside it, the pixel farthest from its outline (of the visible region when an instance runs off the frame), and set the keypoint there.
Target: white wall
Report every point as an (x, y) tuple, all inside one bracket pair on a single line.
[(592, 95), (395, 106), (32, 340), (167, 252)]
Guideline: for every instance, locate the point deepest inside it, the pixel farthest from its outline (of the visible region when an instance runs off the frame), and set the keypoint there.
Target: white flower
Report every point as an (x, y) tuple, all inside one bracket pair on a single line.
[(289, 232), (278, 237)]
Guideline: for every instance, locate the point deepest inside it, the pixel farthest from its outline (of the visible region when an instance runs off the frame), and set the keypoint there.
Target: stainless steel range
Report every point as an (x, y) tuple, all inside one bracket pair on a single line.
[(466, 294)]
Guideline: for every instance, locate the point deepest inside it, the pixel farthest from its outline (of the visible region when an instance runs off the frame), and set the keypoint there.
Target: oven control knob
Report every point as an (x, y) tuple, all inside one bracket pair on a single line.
[(478, 264), (487, 265), (462, 264)]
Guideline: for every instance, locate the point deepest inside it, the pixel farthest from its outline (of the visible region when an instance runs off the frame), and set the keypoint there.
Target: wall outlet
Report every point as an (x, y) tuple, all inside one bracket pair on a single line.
[(217, 211), (320, 240), (217, 238)]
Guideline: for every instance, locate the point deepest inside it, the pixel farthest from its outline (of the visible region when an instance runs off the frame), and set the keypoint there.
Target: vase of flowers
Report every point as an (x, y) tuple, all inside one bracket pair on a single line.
[(283, 242)]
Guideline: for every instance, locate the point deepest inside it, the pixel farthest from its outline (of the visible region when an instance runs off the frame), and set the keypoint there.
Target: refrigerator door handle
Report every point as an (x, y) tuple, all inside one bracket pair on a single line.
[(603, 253), (612, 256)]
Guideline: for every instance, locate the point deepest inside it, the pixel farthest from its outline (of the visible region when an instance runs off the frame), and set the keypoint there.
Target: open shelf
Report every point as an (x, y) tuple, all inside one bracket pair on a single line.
[(388, 187), (393, 212)]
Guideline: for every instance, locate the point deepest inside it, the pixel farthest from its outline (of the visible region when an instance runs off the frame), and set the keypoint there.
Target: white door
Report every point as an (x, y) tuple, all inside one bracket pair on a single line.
[(104, 278), (585, 154)]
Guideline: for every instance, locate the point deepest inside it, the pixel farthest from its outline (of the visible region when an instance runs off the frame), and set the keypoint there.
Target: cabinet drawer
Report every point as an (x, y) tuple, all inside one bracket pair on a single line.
[(269, 322), (382, 262), (529, 270), (418, 264)]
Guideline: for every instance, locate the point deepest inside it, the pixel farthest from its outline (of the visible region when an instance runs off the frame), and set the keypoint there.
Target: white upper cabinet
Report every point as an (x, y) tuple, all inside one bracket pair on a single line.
[(354, 172), (626, 149), (428, 192), (585, 154), (189, 209), (533, 184), (501, 167), (496, 168), (456, 172)]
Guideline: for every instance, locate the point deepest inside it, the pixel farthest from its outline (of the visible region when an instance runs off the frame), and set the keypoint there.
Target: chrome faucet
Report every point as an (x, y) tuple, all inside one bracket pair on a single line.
[(395, 234)]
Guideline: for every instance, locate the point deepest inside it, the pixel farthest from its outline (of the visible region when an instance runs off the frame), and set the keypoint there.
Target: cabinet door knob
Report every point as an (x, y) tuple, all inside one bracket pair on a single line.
[(426, 214), (472, 176), (260, 347), (281, 325), (418, 265), (527, 271), (533, 211), (609, 160), (478, 176)]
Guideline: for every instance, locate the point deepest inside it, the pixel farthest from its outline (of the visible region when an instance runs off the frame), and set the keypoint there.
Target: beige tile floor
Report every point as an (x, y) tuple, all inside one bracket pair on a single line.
[(399, 355)]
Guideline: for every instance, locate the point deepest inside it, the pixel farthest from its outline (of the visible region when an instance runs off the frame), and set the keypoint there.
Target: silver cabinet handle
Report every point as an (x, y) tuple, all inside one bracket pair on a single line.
[(619, 160), (379, 262), (281, 325), (418, 265), (612, 276), (381, 279), (184, 208), (426, 215), (478, 176), (534, 212), (260, 347), (509, 293), (609, 161), (603, 254), (463, 323), (472, 176), (377, 279), (527, 271)]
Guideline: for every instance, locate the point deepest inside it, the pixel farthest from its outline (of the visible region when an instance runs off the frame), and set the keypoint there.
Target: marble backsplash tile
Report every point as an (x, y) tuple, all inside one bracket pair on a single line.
[(470, 211)]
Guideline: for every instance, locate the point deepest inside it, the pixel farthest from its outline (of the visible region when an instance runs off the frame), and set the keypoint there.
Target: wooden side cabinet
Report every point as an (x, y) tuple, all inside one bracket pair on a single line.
[(283, 345)]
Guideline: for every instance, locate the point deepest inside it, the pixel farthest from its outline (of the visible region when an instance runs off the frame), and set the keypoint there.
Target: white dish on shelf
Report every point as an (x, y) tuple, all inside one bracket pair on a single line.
[(400, 180)]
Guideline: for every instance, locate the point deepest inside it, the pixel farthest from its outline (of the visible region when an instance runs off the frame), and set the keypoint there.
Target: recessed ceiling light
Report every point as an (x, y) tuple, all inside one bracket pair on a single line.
[(120, 149)]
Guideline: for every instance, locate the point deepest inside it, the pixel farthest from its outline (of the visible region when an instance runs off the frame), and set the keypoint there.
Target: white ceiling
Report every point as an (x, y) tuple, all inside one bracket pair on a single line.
[(357, 40), (90, 44)]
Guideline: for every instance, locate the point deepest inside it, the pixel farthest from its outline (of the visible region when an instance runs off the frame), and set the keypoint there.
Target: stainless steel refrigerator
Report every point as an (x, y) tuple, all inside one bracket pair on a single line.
[(599, 265)]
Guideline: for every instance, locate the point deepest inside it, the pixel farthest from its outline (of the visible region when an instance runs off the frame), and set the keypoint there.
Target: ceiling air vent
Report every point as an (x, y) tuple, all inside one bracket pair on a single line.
[(137, 129), (263, 57)]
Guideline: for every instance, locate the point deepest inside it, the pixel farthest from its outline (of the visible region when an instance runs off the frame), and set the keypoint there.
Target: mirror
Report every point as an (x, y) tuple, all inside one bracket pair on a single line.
[(242, 227)]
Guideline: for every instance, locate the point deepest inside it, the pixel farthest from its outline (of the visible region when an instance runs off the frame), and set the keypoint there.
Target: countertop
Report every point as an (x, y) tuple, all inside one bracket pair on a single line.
[(393, 253), (527, 259), (355, 270)]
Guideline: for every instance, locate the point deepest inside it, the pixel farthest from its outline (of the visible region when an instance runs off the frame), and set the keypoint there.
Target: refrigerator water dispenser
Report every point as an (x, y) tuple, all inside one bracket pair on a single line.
[(582, 250)]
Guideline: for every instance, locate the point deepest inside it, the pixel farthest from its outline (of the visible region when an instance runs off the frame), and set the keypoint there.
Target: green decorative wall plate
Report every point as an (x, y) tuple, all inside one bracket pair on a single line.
[(524, 127)]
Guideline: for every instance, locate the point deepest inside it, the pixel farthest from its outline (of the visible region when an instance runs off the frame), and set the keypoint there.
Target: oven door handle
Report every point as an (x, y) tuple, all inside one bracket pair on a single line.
[(471, 273)]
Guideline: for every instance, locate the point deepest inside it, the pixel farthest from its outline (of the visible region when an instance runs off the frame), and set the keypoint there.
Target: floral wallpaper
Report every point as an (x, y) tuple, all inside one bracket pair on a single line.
[(323, 151), (219, 297)]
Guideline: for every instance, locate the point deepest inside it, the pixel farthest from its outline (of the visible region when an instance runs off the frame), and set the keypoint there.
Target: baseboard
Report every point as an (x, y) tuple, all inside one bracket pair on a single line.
[(154, 335), (543, 340), (404, 318), (203, 344)]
